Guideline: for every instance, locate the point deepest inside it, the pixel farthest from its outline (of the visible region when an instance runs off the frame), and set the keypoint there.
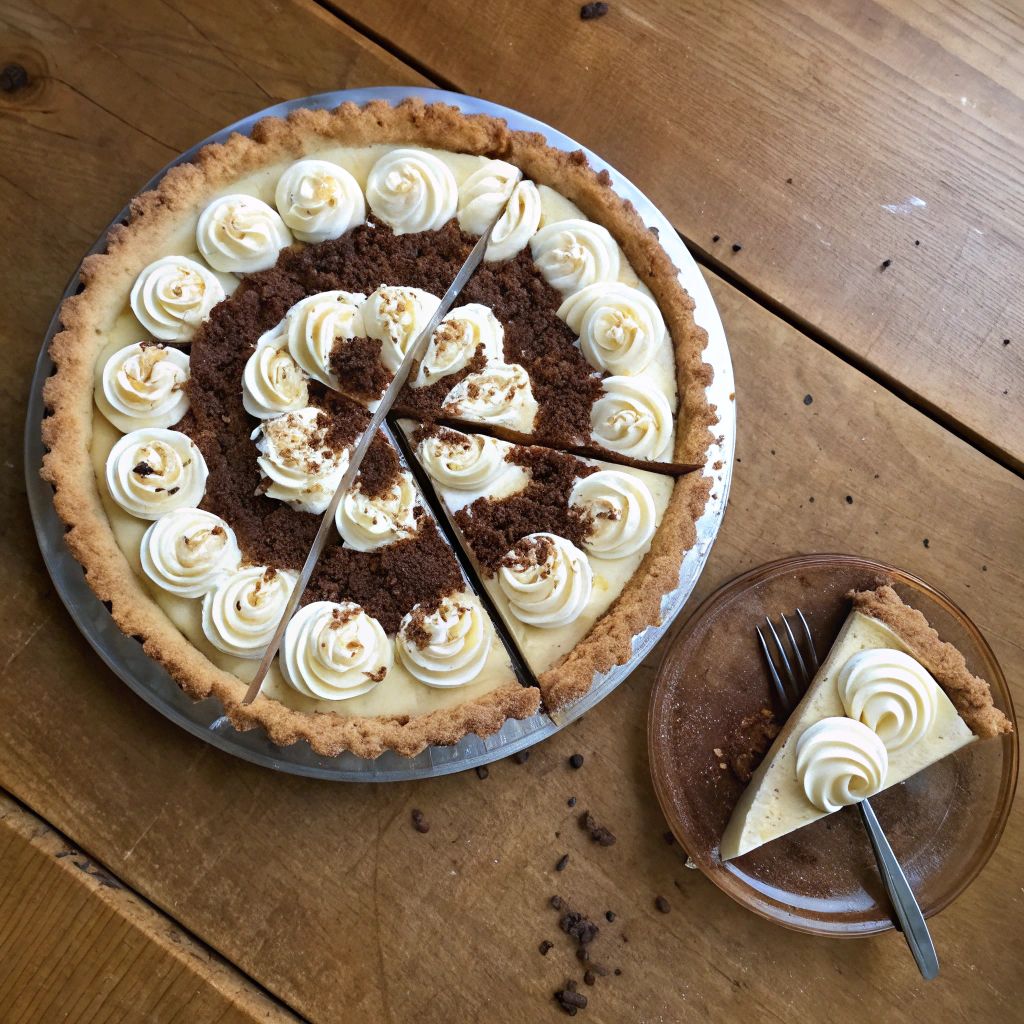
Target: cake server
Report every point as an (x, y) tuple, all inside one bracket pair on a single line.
[(415, 352)]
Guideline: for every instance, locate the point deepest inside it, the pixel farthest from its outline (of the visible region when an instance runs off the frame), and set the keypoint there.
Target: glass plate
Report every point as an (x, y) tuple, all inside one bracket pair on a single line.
[(943, 823), (205, 719)]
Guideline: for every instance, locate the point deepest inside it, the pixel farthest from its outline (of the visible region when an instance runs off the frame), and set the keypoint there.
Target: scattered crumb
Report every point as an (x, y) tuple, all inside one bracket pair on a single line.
[(521, 756), (849, 499), (597, 832), (746, 746), (560, 866), (544, 947), (589, 978), (609, 915), (576, 761), (926, 544), (419, 823), (808, 399), (736, 247), (590, 11), (789, 181), (886, 263), (482, 772), (662, 904), (571, 801), (716, 238)]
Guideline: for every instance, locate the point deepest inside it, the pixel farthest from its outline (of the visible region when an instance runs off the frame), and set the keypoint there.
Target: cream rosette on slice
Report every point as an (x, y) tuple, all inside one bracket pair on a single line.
[(144, 386), (396, 317), (632, 417), (316, 323), (466, 462), (412, 190), (840, 762), (334, 651), (572, 254), (619, 327), (173, 296), (241, 234), (367, 523), (892, 694), (484, 194), (188, 552), (455, 342), (153, 471), (303, 472), (273, 382), (622, 510), (318, 200), (517, 225), (546, 579), (243, 610), (446, 647), (499, 395)]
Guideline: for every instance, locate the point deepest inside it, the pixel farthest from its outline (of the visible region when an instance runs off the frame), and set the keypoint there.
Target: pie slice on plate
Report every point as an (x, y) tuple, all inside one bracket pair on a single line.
[(889, 700)]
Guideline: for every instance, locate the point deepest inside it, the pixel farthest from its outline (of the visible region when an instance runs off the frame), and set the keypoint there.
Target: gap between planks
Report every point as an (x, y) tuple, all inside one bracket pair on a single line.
[(727, 273)]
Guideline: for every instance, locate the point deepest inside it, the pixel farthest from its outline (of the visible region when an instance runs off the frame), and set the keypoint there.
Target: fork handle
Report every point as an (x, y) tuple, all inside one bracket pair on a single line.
[(897, 888)]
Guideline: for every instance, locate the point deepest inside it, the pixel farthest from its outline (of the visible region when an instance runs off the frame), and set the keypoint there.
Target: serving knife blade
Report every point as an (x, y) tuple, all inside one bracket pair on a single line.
[(415, 352)]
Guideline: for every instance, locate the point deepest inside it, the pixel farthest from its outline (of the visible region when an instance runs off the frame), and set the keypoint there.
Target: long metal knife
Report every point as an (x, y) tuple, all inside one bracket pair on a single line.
[(415, 352)]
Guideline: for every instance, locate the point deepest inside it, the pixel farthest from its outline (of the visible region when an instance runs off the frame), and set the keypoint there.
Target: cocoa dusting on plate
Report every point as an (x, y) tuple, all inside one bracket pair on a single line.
[(494, 527)]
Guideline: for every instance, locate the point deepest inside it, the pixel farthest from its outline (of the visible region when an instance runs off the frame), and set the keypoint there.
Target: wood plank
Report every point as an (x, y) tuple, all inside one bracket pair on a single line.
[(823, 138), (325, 894), (76, 944)]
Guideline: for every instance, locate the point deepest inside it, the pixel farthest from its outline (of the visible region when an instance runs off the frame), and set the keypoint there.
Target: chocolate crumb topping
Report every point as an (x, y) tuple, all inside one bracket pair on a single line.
[(143, 469), (356, 362)]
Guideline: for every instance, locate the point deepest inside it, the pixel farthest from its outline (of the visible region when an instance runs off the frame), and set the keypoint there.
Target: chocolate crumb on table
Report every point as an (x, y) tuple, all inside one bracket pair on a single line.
[(736, 247), (482, 771), (588, 12), (521, 756), (556, 902), (571, 801), (598, 833), (662, 904), (419, 823), (589, 978), (560, 866), (609, 915), (544, 947), (886, 263), (576, 761)]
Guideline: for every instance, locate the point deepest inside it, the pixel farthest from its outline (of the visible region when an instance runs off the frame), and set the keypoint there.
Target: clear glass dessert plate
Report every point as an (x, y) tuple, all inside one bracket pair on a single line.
[(205, 719), (943, 823)]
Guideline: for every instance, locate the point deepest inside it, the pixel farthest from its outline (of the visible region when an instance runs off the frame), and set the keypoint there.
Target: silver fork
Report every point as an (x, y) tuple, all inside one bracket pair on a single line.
[(897, 888)]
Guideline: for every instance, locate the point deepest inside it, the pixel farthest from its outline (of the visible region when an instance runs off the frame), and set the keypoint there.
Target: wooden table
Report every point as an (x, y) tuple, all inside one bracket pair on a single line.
[(868, 157)]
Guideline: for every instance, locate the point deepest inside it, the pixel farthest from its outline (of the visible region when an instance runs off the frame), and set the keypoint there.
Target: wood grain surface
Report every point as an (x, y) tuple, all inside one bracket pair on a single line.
[(822, 138), (76, 945), (324, 894)]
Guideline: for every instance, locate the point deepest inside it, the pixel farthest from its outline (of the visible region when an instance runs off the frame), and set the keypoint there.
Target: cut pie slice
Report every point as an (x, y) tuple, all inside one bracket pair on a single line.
[(556, 538), (888, 701)]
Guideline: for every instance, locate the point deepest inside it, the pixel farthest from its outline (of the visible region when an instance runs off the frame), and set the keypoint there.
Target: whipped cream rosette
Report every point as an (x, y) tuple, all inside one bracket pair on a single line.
[(632, 417), (467, 462), (499, 395), (334, 651), (619, 327), (273, 382), (143, 385), (622, 510), (396, 316), (153, 471), (173, 296), (303, 471), (546, 579), (316, 323), (484, 194), (448, 646), (241, 234), (243, 610), (367, 523), (412, 190), (840, 761), (455, 342), (517, 225), (572, 254), (188, 552), (318, 200)]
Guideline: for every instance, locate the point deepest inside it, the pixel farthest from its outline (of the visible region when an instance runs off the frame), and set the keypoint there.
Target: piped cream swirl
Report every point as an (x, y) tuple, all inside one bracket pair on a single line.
[(241, 234), (572, 254), (464, 462), (144, 386), (622, 510), (319, 200), (412, 190), (455, 342), (892, 694), (367, 523), (334, 651), (484, 193), (517, 225), (447, 647), (316, 323), (242, 611), (272, 382), (152, 471), (546, 579), (188, 551), (499, 395), (294, 456), (173, 296), (839, 762), (619, 327), (397, 316), (632, 418)]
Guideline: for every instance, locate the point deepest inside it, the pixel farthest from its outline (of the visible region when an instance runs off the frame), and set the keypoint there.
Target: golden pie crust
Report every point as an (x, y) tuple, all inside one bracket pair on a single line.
[(87, 317)]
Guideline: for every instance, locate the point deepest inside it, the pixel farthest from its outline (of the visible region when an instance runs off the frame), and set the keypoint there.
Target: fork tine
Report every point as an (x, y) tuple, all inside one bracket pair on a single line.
[(799, 657), (785, 658), (783, 696), (810, 641)]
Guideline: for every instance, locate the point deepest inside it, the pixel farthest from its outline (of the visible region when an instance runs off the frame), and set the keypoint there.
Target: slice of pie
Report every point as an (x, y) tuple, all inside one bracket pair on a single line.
[(889, 700), (225, 353)]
